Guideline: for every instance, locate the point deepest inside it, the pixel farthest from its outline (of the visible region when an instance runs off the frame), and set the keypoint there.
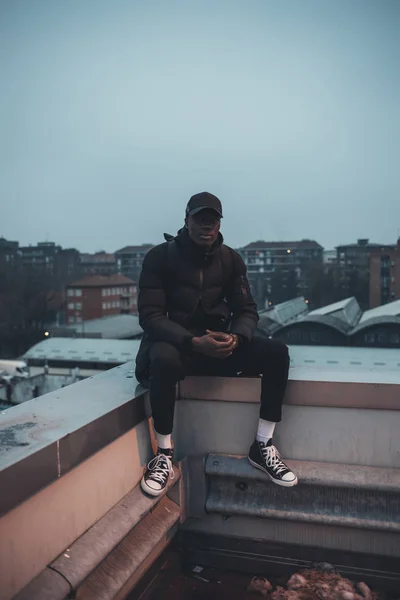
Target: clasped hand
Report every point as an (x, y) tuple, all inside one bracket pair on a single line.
[(215, 344)]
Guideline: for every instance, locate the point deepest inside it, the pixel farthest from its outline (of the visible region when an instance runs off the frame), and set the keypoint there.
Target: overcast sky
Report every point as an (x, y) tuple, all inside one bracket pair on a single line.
[(113, 113)]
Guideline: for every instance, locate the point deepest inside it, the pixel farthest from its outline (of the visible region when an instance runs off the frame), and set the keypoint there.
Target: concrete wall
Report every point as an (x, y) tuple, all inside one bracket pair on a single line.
[(322, 421), (37, 531)]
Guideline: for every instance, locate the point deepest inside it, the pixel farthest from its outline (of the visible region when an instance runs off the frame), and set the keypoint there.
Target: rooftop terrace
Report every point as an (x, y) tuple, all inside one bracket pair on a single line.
[(73, 517)]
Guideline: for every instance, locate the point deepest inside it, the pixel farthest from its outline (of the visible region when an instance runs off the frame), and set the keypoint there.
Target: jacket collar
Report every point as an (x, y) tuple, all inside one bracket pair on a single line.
[(196, 253)]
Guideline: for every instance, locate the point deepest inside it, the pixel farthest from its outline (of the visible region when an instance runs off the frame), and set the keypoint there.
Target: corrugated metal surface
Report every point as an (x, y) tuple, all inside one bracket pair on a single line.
[(84, 350)]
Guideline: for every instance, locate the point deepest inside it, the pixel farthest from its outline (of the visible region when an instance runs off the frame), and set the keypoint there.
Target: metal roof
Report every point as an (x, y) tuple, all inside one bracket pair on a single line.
[(327, 320), (329, 308), (115, 327), (391, 309), (285, 311), (84, 350), (347, 311), (387, 314), (383, 320), (340, 316)]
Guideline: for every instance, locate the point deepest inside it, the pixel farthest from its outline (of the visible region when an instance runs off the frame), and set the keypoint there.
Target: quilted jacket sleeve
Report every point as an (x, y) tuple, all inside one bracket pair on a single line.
[(152, 302), (240, 301)]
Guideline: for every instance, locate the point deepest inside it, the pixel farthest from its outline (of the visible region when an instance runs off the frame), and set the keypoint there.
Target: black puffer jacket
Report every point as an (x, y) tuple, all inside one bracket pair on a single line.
[(179, 281)]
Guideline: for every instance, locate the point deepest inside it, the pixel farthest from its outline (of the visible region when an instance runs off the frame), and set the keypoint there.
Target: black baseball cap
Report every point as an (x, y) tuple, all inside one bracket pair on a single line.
[(201, 201)]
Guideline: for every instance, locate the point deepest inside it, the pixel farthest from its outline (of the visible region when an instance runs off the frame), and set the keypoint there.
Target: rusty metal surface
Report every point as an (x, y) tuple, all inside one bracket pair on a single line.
[(236, 490), (318, 473), (44, 438)]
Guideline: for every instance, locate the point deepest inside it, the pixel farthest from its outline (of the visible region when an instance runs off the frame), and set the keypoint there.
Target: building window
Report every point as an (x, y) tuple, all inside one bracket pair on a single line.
[(103, 292), (70, 292), (78, 306), (71, 319), (104, 305), (78, 292), (71, 306)]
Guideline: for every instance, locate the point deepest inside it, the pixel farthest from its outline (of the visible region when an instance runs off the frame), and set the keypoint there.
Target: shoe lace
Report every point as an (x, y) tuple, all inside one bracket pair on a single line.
[(273, 459), (160, 467)]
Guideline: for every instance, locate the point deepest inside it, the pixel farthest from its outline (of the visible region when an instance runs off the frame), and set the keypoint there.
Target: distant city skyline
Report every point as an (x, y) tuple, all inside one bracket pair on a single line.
[(108, 251), (113, 114)]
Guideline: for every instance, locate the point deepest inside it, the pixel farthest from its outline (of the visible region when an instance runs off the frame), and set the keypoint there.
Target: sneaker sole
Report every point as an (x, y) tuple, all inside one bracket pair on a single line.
[(150, 491), (278, 482)]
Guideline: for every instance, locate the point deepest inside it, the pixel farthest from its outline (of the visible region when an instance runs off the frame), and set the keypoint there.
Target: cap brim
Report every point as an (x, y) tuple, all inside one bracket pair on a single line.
[(194, 211)]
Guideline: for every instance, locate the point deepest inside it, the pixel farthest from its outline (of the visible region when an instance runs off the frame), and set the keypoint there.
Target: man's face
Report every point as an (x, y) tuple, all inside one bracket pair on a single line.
[(204, 227)]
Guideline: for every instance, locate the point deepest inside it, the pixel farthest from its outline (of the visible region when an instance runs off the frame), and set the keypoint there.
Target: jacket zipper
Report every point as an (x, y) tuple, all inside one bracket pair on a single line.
[(243, 287), (201, 284), (201, 277)]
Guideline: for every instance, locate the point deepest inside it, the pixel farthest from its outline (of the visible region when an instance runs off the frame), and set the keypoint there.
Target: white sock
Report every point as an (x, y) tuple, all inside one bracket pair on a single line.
[(265, 430), (163, 441)]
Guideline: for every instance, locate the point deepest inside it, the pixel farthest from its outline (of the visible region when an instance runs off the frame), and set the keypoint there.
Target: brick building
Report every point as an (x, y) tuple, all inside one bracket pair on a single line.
[(98, 296), (130, 260), (384, 280), (354, 263)]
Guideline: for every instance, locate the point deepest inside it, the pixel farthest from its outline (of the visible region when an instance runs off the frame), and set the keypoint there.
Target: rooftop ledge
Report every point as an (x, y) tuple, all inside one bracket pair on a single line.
[(45, 438)]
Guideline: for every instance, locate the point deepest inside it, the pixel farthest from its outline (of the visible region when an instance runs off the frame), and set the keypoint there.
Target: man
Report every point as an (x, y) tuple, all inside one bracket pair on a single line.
[(199, 318)]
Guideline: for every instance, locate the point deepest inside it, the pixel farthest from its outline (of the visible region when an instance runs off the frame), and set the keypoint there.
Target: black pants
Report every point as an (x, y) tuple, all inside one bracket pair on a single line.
[(262, 356)]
